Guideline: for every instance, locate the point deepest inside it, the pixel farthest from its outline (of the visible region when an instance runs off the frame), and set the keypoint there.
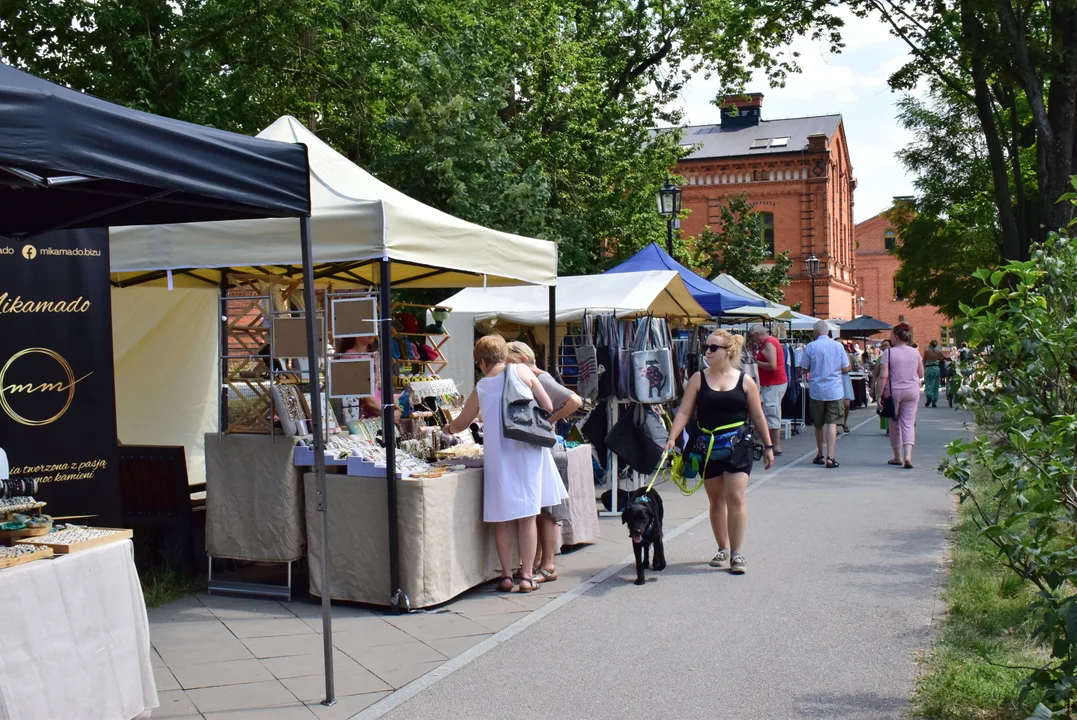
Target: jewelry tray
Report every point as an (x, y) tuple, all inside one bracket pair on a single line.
[(66, 548), (39, 555)]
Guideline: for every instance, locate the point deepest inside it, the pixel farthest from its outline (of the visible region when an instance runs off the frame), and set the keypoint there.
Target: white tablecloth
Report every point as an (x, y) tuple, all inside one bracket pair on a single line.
[(75, 639)]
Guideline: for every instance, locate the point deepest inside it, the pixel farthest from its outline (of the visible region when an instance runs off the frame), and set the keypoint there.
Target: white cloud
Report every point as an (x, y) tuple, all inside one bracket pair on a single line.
[(853, 83)]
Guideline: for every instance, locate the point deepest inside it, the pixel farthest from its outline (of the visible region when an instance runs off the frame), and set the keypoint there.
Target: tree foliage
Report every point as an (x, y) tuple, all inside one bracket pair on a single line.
[(1023, 395), (531, 117), (738, 248), (1013, 64)]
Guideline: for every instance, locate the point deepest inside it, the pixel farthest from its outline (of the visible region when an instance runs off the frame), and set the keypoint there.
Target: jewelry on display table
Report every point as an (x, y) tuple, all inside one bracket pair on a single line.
[(73, 538), (19, 554)]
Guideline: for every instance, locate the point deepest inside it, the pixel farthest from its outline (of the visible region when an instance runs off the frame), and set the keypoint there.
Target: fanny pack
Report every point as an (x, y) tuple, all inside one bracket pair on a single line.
[(706, 445)]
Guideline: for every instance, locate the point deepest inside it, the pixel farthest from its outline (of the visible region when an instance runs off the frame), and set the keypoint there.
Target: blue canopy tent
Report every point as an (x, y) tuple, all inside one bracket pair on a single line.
[(712, 298)]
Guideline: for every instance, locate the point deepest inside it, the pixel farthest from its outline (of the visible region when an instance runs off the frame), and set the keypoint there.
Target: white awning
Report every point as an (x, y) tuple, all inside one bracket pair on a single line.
[(357, 221), (657, 292), (780, 312)]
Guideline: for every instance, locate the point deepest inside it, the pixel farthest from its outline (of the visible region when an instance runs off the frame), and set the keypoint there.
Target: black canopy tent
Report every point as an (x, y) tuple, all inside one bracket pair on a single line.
[(863, 327), (70, 160)]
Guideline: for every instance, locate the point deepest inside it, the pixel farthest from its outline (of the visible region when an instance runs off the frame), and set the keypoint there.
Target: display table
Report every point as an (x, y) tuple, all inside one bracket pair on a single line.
[(445, 548), (254, 499), (582, 523), (76, 640)]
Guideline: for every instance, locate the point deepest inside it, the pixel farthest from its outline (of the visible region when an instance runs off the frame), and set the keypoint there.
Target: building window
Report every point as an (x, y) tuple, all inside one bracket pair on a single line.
[(889, 240), (899, 292), (768, 232)]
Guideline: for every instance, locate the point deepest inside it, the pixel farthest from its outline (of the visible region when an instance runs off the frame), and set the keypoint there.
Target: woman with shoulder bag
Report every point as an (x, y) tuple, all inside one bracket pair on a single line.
[(900, 373), (519, 478), (722, 402)]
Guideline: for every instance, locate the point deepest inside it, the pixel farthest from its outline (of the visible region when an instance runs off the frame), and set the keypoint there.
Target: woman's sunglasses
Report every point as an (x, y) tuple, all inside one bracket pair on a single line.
[(715, 348)]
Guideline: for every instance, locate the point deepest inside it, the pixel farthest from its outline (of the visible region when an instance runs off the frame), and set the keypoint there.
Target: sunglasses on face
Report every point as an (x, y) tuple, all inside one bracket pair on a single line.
[(715, 348)]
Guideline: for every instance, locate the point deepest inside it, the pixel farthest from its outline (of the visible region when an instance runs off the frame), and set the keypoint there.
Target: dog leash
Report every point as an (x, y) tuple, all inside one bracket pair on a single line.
[(661, 464)]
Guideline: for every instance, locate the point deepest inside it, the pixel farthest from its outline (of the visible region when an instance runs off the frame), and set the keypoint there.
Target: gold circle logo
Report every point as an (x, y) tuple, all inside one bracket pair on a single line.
[(29, 252), (69, 387)]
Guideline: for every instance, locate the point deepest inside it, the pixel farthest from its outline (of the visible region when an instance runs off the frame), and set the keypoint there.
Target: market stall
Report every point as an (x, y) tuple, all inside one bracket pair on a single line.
[(612, 302), (76, 631), (372, 238)]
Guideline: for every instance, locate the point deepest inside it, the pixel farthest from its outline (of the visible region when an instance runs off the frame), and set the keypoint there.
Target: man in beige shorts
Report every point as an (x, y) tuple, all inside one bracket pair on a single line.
[(773, 380)]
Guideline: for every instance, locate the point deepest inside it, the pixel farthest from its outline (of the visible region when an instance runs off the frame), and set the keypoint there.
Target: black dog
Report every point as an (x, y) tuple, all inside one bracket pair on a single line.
[(643, 515)]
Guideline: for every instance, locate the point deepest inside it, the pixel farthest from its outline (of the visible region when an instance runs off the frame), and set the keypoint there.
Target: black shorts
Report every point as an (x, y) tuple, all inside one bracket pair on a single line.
[(715, 468)]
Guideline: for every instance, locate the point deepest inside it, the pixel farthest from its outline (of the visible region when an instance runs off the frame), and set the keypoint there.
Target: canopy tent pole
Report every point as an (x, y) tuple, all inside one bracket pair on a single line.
[(388, 424), (319, 448), (551, 364)]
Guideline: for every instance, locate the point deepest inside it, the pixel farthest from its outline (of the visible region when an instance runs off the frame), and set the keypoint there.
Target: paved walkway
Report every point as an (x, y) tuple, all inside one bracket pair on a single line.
[(837, 600)]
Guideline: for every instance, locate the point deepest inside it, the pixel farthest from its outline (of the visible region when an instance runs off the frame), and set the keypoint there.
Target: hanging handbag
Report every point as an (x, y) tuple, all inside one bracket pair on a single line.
[(652, 366), (605, 346), (888, 409), (587, 363), (638, 438), (626, 333), (521, 417)]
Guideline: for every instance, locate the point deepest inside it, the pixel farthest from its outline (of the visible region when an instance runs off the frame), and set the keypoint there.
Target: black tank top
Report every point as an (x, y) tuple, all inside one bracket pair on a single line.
[(715, 408)]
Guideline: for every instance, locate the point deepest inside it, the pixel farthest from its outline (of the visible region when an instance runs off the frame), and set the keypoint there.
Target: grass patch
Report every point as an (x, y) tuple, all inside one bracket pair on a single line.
[(162, 585), (987, 628)]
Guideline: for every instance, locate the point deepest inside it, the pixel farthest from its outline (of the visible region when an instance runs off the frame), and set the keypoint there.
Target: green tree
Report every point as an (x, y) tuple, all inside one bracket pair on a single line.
[(532, 117), (950, 229), (1013, 64), (739, 247)]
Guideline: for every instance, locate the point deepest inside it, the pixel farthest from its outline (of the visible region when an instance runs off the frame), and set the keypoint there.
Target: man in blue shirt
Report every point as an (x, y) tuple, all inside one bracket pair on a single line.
[(825, 360)]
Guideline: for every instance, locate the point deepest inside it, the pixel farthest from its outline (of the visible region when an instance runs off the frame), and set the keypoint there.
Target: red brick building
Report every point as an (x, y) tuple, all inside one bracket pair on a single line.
[(797, 173), (883, 299)]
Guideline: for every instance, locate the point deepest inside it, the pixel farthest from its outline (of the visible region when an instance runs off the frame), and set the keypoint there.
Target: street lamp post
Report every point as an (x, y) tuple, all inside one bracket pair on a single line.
[(812, 264), (860, 304), (669, 204)]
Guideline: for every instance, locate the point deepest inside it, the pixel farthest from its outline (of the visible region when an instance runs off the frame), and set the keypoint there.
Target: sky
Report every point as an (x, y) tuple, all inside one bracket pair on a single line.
[(854, 84)]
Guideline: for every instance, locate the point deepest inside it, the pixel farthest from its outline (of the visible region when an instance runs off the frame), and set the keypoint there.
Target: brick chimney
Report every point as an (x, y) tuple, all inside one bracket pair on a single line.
[(740, 111), (818, 142)]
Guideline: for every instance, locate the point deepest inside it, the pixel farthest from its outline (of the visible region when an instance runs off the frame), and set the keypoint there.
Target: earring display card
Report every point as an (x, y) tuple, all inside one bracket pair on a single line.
[(351, 377), (290, 337), (355, 317)]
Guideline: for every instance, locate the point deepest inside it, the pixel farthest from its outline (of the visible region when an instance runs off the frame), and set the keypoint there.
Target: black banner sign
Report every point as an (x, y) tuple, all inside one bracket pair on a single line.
[(57, 382)]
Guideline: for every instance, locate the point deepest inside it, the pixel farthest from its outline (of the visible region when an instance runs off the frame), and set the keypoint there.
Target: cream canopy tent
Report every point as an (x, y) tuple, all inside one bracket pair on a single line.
[(660, 292), (358, 221)]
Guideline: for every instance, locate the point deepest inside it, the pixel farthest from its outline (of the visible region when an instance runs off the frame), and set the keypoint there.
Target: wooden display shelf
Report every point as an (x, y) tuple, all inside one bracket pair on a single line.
[(67, 548), (6, 562), (27, 532), (434, 340)]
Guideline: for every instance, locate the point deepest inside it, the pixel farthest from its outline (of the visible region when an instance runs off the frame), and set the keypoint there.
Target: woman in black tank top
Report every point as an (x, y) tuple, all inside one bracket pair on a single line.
[(719, 400)]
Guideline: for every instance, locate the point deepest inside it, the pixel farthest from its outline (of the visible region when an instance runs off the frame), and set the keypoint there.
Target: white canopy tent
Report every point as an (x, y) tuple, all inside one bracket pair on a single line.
[(798, 322), (658, 292), (358, 221)]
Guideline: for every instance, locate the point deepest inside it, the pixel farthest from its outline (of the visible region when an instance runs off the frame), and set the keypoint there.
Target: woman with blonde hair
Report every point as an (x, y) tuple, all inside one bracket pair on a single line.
[(519, 479), (721, 399), (565, 402)]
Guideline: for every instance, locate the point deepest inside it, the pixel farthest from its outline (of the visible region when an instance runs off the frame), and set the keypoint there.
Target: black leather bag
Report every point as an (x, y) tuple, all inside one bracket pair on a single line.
[(638, 438), (888, 409), (521, 417)]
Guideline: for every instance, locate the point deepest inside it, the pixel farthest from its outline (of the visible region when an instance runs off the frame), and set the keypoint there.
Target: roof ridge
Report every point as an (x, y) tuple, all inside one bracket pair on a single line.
[(718, 124)]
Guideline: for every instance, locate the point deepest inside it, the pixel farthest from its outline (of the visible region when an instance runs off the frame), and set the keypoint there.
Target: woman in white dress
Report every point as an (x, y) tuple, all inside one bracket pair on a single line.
[(519, 479)]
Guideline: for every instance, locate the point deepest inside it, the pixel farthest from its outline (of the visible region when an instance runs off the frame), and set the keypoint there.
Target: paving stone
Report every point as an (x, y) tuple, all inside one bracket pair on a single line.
[(356, 682), (290, 666), (267, 647), (346, 706), (198, 652), (214, 674), (294, 711), (164, 679), (175, 704), (241, 697), (436, 627), (451, 647), (272, 627)]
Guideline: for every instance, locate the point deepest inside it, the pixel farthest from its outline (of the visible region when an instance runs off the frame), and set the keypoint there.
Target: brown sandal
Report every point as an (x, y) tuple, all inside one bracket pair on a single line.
[(545, 576), (505, 585), (532, 586)]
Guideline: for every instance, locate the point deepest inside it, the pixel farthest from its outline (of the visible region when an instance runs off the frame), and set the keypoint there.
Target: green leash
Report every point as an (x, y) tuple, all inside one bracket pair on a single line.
[(678, 463)]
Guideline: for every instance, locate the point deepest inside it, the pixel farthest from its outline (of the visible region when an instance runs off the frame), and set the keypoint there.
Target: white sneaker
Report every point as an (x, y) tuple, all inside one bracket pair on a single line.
[(720, 559), (738, 565)]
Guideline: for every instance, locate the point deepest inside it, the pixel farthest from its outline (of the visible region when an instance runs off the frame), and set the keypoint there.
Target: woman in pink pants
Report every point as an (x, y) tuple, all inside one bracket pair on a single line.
[(902, 368)]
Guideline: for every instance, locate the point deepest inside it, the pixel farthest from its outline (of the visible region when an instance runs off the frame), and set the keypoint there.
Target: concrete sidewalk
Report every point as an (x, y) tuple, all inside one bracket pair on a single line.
[(219, 657), (839, 597)]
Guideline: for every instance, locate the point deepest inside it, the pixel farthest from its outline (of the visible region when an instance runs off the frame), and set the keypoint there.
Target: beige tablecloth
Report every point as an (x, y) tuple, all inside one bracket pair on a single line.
[(254, 499), (582, 523), (445, 548), (76, 640)]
